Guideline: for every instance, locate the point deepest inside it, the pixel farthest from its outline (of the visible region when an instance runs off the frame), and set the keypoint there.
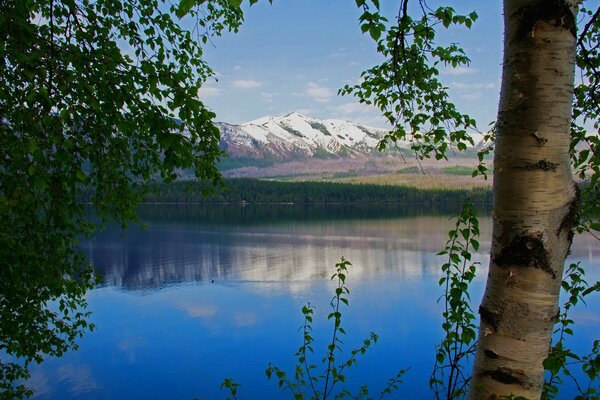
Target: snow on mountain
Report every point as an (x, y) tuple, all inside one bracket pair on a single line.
[(295, 135)]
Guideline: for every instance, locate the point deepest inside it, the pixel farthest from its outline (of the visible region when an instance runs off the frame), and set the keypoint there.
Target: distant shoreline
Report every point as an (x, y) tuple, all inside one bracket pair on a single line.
[(286, 203), (248, 191)]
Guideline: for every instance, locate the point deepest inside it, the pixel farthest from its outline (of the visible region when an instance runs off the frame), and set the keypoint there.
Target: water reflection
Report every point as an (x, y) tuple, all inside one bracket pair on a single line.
[(202, 247), (203, 294), (175, 252)]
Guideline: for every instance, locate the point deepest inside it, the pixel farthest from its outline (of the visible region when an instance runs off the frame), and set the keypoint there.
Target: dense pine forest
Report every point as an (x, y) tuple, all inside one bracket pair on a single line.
[(256, 191)]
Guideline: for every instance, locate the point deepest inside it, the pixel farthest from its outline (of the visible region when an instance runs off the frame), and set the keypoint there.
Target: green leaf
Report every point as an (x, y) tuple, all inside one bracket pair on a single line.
[(375, 32), (186, 5)]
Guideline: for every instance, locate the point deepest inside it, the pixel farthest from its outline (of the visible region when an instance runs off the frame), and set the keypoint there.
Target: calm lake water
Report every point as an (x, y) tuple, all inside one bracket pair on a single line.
[(207, 293)]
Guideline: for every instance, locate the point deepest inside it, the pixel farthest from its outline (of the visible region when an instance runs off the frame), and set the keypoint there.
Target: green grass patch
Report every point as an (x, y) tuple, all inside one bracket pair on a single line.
[(233, 163), (458, 170)]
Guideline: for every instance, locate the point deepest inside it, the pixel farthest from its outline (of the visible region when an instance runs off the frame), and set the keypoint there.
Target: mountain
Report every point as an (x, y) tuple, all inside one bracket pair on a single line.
[(295, 136), (299, 147)]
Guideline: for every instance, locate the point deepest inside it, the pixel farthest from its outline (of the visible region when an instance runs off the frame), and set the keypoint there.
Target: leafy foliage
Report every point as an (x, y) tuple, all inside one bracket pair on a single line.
[(231, 386), (97, 99), (449, 379), (405, 87), (305, 382), (458, 170), (585, 145), (561, 359)]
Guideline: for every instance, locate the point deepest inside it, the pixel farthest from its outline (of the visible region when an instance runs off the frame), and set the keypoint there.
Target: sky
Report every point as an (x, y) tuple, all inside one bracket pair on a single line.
[(294, 55)]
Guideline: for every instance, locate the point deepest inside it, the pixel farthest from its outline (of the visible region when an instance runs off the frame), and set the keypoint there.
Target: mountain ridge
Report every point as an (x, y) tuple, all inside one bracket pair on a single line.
[(295, 146), (295, 136)]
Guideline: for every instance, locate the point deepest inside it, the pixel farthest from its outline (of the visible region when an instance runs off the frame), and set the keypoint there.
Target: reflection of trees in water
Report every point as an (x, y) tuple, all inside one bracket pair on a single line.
[(169, 253), (237, 214), (176, 249)]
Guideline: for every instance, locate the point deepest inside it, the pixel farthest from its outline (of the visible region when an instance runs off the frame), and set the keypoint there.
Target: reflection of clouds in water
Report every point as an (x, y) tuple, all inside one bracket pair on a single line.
[(209, 315), (40, 384), (295, 251), (78, 378), (273, 288), (198, 310), (292, 255), (208, 312), (131, 346), (245, 319)]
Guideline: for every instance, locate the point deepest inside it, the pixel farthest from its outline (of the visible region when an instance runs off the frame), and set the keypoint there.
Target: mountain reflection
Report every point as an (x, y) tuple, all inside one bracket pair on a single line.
[(175, 250)]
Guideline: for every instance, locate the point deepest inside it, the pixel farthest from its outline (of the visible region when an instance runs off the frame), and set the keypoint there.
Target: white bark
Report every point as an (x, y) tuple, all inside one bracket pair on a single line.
[(535, 199)]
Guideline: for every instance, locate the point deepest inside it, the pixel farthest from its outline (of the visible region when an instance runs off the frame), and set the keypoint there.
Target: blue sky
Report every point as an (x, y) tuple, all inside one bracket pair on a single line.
[(294, 55)]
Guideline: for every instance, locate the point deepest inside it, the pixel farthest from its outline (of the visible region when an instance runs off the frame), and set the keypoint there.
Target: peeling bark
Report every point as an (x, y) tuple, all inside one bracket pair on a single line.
[(505, 375), (489, 317), (535, 199), (526, 251), (556, 12)]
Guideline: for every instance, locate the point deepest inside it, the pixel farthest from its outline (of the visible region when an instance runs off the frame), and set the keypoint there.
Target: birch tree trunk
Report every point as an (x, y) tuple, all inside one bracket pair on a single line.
[(536, 200)]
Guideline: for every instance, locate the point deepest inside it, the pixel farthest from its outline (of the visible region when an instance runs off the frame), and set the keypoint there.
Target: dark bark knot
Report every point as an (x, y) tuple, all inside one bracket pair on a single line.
[(539, 139), (489, 317), (543, 165), (526, 251), (490, 353), (555, 12), (504, 375)]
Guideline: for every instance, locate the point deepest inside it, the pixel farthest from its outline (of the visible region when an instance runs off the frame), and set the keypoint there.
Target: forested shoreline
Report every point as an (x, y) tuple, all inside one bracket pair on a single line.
[(255, 191)]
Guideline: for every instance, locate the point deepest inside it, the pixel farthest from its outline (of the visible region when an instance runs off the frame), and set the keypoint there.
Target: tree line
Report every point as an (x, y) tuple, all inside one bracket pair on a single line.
[(246, 190)]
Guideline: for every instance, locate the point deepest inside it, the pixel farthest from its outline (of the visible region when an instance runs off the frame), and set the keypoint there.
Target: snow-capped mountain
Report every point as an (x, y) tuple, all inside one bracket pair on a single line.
[(297, 136)]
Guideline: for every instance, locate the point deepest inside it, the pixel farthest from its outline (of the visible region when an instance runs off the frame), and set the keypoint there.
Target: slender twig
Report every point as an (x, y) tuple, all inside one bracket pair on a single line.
[(51, 57), (306, 366), (332, 345)]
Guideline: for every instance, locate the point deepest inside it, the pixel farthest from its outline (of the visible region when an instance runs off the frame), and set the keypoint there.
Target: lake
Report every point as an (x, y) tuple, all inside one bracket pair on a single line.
[(202, 294)]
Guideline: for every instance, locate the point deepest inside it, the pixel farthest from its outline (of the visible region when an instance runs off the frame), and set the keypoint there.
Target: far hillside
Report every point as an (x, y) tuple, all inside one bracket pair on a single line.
[(260, 191), (295, 147)]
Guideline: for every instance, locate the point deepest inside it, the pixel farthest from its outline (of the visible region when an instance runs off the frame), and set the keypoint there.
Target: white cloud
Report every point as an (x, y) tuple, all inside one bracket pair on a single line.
[(357, 112), (471, 86), (268, 97), (209, 91), (339, 53), (471, 96), (237, 67), (306, 111), (351, 109), (319, 93), (460, 71), (245, 84), (466, 86)]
